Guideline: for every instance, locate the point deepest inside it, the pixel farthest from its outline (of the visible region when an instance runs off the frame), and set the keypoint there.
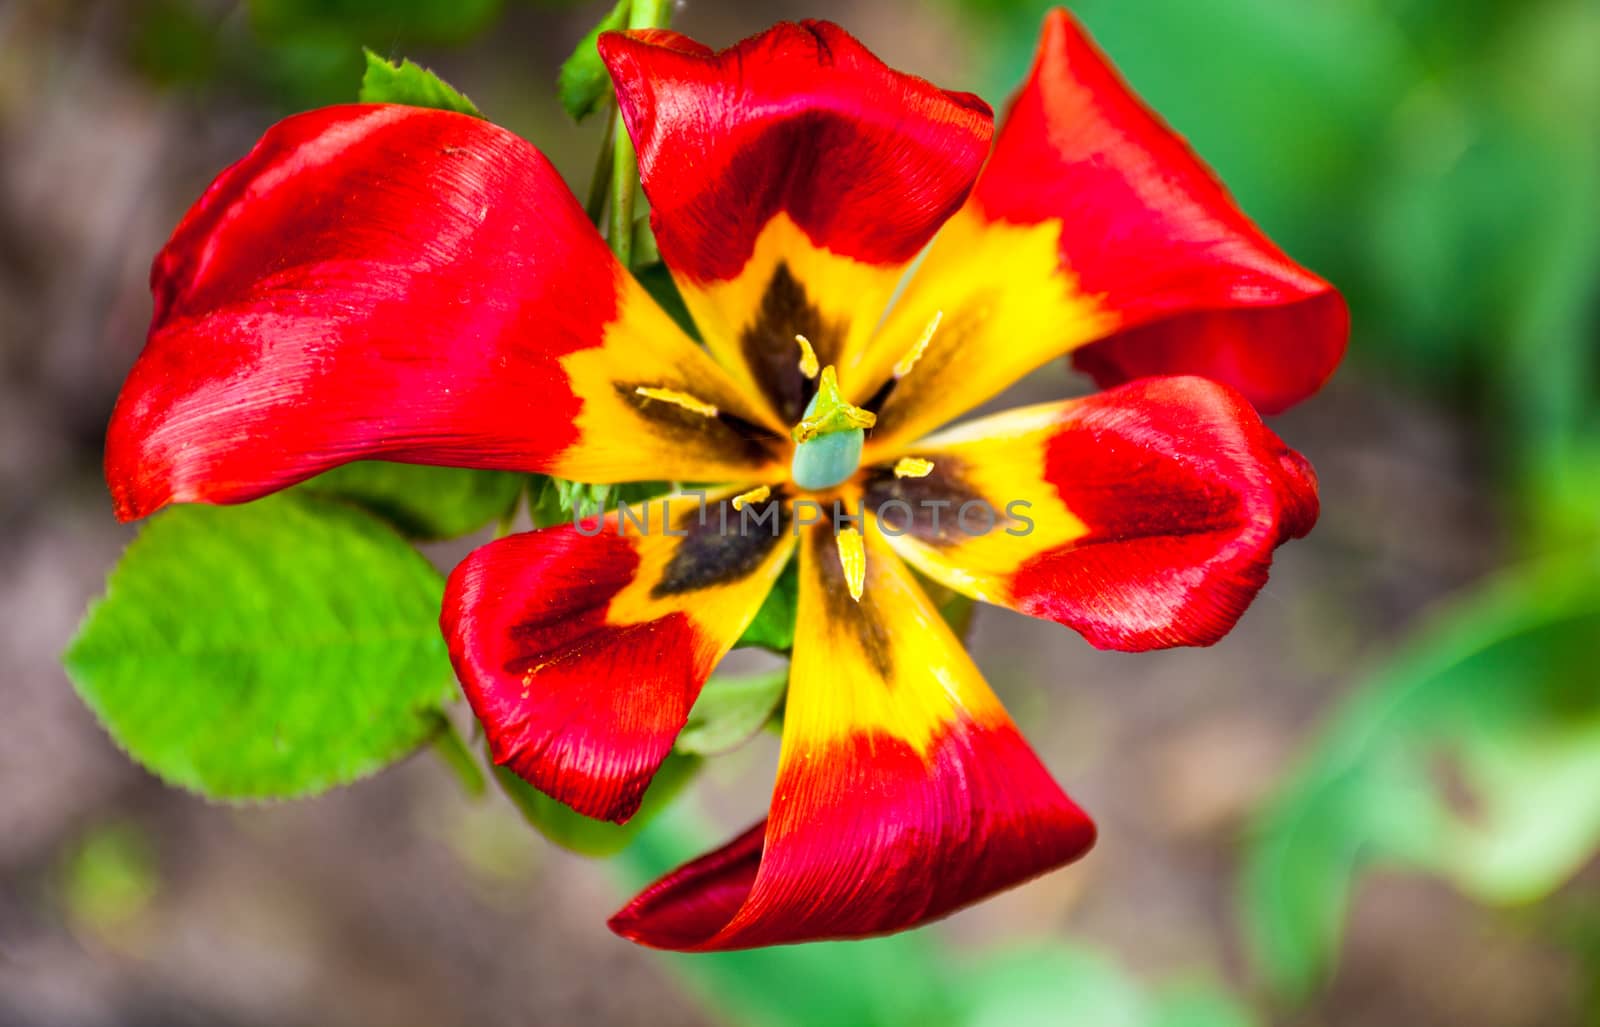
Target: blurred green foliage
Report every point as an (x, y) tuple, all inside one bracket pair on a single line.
[(1473, 753), (292, 53), (913, 979), (423, 503), (109, 877), (1440, 162), (578, 833)]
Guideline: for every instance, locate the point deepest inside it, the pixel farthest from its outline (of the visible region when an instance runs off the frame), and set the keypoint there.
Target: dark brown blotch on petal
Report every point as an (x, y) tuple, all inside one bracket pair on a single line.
[(721, 545), (770, 350), (732, 434), (929, 509), (861, 618)]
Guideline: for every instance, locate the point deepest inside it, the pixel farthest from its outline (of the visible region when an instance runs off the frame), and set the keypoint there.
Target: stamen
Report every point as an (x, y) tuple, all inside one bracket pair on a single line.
[(678, 399), (912, 467), (853, 558), (830, 412), (909, 361), (808, 357), (755, 495)]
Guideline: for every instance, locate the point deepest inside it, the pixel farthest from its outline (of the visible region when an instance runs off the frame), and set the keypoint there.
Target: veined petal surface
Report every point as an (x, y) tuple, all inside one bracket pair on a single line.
[(904, 791), (792, 179), (582, 647), (378, 281), (1145, 516), (1095, 230)]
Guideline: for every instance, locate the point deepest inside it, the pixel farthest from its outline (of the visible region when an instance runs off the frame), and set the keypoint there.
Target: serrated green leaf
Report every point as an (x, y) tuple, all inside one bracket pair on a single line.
[(270, 650), (583, 81), (424, 503), (731, 709), (572, 830), (410, 83)]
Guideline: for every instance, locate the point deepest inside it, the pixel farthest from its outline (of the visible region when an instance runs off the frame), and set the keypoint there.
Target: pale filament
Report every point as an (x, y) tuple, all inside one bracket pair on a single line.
[(690, 403), (853, 558), (906, 363), (755, 495), (808, 357)]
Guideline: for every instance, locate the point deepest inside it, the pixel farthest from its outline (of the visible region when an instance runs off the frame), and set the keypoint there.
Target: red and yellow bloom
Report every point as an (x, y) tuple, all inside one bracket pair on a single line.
[(387, 282)]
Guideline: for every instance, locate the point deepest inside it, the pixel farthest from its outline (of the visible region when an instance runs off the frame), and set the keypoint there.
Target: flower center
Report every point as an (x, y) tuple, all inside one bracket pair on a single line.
[(829, 438)]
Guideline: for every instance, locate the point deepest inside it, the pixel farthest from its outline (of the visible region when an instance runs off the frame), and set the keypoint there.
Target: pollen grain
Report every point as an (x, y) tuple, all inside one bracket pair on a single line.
[(912, 467)]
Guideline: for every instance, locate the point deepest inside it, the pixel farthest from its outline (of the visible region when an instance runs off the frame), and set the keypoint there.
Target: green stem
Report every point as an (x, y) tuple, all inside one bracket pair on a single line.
[(644, 14), (600, 184), (624, 179), (453, 750)]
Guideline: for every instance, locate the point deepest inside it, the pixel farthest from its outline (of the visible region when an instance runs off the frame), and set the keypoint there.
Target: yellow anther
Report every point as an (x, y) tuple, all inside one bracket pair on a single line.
[(912, 467), (907, 362), (830, 412), (678, 399), (808, 357), (755, 495), (853, 558)]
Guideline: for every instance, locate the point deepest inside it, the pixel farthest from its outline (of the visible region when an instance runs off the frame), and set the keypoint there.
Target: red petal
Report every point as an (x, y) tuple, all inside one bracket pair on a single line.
[(792, 179), (803, 120), (1152, 512), (1198, 287), (582, 654), (904, 792), (390, 282)]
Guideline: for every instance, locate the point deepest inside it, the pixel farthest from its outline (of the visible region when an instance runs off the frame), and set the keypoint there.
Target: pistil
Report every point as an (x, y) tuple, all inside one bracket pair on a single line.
[(830, 437)]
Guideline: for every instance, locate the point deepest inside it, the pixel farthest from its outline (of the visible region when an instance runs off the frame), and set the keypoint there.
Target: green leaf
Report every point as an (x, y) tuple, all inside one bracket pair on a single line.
[(730, 710), (559, 501), (773, 627), (423, 502), (583, 81), (658, 282), (271, 650), (585, 835), (1473, 754), (412, 84)]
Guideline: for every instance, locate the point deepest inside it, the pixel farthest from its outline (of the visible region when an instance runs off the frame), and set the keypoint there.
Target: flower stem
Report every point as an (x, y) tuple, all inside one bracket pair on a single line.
[(600, 183), (644, 14)]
